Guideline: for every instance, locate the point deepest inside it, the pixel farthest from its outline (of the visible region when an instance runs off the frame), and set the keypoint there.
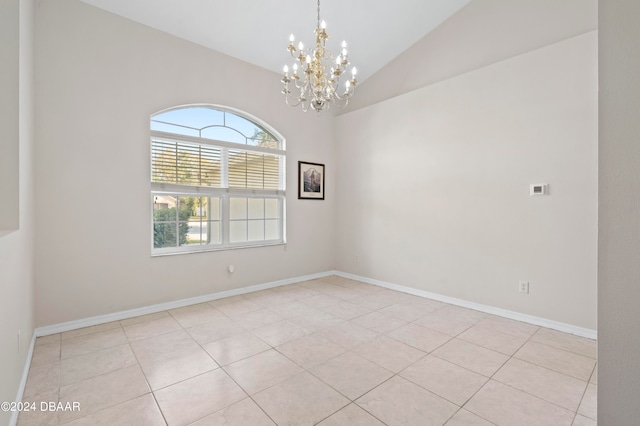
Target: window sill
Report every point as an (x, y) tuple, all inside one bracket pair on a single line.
[(215, 249)]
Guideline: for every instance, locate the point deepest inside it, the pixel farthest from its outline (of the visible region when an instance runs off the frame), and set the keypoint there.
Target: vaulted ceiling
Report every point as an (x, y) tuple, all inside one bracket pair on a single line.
[(257, 31)]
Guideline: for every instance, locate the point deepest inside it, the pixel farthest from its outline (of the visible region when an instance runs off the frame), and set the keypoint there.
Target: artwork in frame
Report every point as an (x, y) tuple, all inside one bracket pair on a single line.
[(310, 181)]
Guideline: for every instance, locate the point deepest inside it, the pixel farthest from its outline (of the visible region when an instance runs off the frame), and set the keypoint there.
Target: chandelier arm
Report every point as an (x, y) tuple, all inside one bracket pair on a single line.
[(316, 86)]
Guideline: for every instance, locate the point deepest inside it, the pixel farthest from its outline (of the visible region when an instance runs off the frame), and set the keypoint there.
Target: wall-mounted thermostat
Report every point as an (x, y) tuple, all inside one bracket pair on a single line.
[(539, 189)]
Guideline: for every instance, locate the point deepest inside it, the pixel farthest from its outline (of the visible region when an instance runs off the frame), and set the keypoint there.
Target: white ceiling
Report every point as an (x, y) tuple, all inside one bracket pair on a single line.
[(257, 31)]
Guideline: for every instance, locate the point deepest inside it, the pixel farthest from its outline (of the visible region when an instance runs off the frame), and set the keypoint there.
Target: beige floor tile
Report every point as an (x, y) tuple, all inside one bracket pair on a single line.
[(96, 363), (366, 288), (316, 320), (83, 345), (198, 397), (547, 384), (190, 316), (311, 350), (100, 392), (584, 421), (245, 412), (295, 292), (346, 310), (159, 345), (504, 405), (381, 299), (338, 280), (426, 305), (567, 342), (272, 299), (235, 348), (280, 332), (141, 411), (496, 341), (315, 284), (418, 406), (356, 337), (445, 379), (351, 375), (153, 328), (472, 357), (588, 406), (348, 335), (379, 322), (405, 313), (300, 400), (419, 337), (450, 320), (351, 415), (258, 318), (239, 307), (261, 371), (293, 309), (45, 340), (173, 367), (558, 360), (466, 418), (341, 292), (511, 327), (46, 354), (39, 417), (350, 294), (85, 331), (144, 318), (321, 301), (389, 353), (42, 379), (217, 330)]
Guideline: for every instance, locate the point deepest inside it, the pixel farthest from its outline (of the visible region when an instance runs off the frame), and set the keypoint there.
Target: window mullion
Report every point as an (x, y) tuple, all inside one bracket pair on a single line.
[(224, 168)]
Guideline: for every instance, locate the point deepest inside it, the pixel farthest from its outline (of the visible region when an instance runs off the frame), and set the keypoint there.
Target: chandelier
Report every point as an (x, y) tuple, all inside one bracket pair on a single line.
[(315, 78)]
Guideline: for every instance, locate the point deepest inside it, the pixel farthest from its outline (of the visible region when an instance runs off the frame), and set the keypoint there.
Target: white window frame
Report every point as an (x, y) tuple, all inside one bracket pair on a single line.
[(223, 193)]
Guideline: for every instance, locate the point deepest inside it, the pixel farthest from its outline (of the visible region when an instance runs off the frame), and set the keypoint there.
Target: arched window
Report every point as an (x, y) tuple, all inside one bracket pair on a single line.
[(217, 180)]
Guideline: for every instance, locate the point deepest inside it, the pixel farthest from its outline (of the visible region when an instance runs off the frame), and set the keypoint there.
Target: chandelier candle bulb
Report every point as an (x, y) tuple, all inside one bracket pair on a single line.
[(319, 86)]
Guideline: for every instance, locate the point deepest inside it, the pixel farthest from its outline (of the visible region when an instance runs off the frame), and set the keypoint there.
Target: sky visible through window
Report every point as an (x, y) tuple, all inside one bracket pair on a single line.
[(196, 122)]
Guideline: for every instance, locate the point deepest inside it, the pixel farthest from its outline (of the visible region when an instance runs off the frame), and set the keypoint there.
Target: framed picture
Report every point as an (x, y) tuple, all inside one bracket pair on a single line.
[(310, 181)]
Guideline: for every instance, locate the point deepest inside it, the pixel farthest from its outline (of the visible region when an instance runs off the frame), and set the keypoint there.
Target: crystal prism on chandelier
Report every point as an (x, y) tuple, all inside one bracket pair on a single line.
[(315, 78)]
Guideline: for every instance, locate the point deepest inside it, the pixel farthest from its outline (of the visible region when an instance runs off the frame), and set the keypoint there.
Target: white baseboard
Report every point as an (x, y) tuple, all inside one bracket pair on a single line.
[(530, 319), (23, 382), (117, 316)]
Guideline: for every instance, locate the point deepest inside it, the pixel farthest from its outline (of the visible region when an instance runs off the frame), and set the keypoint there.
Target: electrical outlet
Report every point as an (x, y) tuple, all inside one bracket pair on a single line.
[(524, 287)]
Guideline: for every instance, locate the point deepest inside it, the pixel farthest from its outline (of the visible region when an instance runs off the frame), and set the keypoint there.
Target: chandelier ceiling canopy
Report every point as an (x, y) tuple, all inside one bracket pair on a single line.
[(314, 79)]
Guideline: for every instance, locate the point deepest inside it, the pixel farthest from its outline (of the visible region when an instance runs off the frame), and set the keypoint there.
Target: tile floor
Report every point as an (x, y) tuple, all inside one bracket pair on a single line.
[(330, 351)]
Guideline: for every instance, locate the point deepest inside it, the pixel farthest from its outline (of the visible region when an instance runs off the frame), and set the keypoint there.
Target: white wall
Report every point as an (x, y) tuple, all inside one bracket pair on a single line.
[(434, 185), (9, 146), (16, 247), (619, 227), (99, 78)]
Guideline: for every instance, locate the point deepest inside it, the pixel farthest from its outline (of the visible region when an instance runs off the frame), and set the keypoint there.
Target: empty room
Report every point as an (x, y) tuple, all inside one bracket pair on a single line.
[(221, 213)]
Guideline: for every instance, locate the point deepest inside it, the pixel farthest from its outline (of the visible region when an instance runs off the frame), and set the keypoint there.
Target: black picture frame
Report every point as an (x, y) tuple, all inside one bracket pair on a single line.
[(310, 181)]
